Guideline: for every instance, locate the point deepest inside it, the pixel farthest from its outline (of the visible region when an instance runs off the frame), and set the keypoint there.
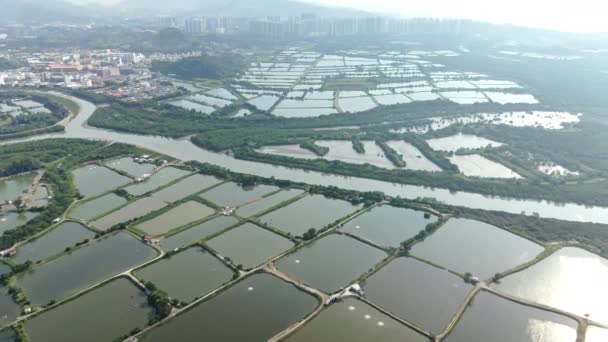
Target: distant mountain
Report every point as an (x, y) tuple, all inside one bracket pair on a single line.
[(244, 8)]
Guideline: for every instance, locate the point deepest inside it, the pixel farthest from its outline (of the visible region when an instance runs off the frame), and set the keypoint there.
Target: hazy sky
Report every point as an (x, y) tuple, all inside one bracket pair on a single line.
[(565, 15)]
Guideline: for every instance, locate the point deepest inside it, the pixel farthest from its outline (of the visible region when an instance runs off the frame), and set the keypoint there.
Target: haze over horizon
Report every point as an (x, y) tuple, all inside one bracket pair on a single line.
[(581, 16)]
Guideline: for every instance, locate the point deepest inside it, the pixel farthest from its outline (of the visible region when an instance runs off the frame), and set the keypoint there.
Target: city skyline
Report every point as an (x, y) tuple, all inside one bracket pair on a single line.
[(584, 16)]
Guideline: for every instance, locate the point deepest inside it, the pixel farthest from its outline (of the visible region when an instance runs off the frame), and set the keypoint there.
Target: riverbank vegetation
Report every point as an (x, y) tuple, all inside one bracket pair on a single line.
[(23, 121), (57, 157)]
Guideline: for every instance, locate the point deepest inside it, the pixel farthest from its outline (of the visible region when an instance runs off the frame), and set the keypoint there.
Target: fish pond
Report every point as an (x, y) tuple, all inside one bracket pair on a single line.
[(13, 187), (595, 334), (570, 279), (74, 272), (249, 245), (388, 226), (179, 216), (186, 187), (130, 167), (268, 202), (198, 232), (66, 235), (491, 318), (343, 151), (161, 178), (331, 263), (261, 305), (139, 208), (474, 165), (414, 159), (111, 311), (93, 180), (8, 335), (188, 274), (9, 310), (233, 195), (97, 207), (13, 220), (354, 321), (419, 293), (461, 141), (311, 211), (463, 245)]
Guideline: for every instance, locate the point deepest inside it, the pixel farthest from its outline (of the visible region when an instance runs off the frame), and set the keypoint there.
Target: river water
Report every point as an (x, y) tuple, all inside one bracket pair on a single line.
[(184, 149)]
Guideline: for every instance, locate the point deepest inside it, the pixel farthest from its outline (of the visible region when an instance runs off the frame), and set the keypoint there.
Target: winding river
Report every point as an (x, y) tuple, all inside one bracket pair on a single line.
[(185, 150)]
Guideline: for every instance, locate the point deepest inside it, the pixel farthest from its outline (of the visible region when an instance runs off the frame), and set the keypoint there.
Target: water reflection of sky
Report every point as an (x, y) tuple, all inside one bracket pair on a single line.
[(572, 279)]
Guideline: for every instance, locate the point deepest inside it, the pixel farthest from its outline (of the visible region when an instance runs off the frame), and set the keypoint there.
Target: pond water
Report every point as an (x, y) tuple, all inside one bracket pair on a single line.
[(424, 295), (294, 151), (463, 245), (320, 95), (185, 150), (74, 272), (134, 210), (111, 311), (249, 245), (412, 156), (184, 188), (342, 150), (163, 177), (571, 279), (356, 104), (222, 93), (262, 306), (93, 180), (595, 334), (491, 318), (388, 226), (494, 84), (546, 120), (330, 263), (233, 195), (268, 202), (4, 268), (97, 207), (307, 103), (475, 165), (392, 99), (354, 321), (505, 98), (8, 335), (264, 102), (456, 142), (197, 233), (65, 235), (127, 165), (455, 85), (189, 105), (209, 100), (465, 97), (14, 187), (423, 96), (188, 274), (303, 113), (9, 310), (13, 220), (179, 216), (311, 211)]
